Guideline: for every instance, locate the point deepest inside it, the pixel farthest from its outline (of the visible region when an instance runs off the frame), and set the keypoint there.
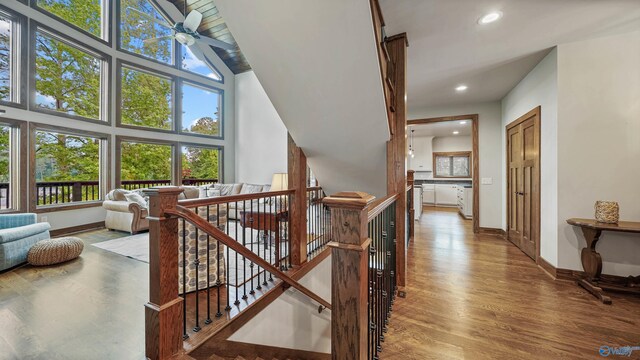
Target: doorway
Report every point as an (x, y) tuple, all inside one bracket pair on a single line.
[(475, 158), (523, 183)]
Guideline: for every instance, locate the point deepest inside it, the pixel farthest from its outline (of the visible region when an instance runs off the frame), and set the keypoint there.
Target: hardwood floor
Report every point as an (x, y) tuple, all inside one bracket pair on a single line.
[(480, 297)]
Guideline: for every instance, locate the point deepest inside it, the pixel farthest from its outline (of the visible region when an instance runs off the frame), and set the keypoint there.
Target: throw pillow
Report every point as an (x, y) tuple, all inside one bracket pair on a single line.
[(190, 192), (120, 195), (137, 199), (225, 189), (213, 193), (251, 189)]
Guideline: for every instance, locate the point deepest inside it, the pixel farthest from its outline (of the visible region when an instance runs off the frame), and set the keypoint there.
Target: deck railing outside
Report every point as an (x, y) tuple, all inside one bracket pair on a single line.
[(61, 192)]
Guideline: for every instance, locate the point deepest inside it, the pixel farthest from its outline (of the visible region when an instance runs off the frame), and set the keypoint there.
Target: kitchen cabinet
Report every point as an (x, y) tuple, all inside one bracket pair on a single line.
[(465, 201), (422, 150), (446, 194), (417, 201), (429, 194)]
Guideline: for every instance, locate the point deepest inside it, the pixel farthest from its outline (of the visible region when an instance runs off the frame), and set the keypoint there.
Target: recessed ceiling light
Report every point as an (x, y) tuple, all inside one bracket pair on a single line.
[(462, 88), (490, 17), (456, 132), (463, 122)]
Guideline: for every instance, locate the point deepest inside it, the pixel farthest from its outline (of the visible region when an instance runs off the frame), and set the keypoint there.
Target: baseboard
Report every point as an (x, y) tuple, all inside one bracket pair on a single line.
[(574, 275), (491, 231), (547, 267), (76, 229)]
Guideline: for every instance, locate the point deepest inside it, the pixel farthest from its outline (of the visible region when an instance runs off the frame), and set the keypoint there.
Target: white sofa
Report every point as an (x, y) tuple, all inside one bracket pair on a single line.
[(236, 189)]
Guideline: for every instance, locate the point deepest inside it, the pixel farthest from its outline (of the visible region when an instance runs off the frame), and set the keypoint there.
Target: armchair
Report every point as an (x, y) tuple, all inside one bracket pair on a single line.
[(18, 232)]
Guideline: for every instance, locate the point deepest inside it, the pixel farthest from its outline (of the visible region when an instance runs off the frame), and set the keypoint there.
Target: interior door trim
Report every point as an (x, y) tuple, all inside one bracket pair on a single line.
[(536, 114), (475, 158)]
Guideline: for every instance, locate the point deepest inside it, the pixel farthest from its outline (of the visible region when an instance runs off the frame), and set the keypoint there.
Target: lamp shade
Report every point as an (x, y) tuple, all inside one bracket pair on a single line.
[(280, 181)]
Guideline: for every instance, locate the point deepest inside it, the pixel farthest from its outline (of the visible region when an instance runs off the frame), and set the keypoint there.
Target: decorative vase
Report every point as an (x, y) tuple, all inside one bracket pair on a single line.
[(607, 212)]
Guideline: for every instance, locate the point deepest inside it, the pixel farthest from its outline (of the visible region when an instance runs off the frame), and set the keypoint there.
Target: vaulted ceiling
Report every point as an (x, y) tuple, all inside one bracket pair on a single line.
[(214, 26)]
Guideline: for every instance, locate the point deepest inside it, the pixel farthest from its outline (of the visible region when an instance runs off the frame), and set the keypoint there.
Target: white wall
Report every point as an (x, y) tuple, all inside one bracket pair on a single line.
[(538, 88), (292, 321), (599, 144), (489, 148), (69, 218), (452, 143), (261, 137)]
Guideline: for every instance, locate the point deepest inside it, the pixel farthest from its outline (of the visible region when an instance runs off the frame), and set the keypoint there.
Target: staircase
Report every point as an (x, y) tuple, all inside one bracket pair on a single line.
[(338, 84)]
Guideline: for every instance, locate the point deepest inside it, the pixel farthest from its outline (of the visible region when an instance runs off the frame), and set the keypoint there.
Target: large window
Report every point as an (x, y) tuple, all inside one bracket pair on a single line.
[(146, 99), (68, 166), (452, 164), (192, 63), (69, 79), (200, 164), (201, 110), (145, 31), (145, 164), (5, 167), (88, 15), (12, 88)]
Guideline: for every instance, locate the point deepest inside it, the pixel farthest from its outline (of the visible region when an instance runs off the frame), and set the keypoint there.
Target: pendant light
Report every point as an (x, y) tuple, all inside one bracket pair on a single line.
[(411, 144)]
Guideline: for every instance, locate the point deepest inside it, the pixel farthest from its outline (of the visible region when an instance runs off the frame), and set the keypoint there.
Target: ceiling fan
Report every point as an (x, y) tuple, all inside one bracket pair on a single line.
[(186, 33)]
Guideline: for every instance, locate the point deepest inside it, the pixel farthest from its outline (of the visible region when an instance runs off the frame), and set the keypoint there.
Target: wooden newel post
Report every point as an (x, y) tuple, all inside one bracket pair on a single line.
[(297, 170), (349, 275), (412, 205), (163, 312)]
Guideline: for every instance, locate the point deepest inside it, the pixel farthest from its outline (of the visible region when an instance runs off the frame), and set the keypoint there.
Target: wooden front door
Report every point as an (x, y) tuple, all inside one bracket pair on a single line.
[(523, 183)]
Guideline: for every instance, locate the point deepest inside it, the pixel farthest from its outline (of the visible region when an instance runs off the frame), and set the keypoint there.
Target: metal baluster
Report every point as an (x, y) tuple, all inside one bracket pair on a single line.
[(274, 206), (197, 293), (237, 302), (259, 287), (251, 239), (227, 274), (218, 282), (184, 283), (208, 319), (287, 231), (244, 259), (266, 240)]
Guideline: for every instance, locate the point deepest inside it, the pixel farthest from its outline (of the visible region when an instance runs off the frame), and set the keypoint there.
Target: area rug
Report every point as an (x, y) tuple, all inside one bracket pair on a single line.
[(137, 247)]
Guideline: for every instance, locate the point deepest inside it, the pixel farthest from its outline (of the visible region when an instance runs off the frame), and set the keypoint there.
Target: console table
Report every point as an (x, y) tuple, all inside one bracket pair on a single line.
[(269, 222), (592, 261)]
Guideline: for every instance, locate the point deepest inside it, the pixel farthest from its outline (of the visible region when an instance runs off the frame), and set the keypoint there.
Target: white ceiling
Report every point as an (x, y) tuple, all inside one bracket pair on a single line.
[(447, 46), (318, 64), (445, 128)]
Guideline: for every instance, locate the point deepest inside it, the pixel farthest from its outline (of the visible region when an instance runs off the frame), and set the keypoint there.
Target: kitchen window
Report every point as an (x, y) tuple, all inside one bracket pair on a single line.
[(452, 164)]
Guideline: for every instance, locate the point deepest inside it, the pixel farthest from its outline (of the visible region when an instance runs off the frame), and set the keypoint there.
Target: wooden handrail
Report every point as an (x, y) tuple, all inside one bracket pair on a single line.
[(379, 205), (191, 203), (203, 225)]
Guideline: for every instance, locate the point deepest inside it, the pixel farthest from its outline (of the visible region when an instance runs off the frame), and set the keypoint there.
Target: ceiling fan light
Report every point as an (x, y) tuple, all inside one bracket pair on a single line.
[(186, 39)]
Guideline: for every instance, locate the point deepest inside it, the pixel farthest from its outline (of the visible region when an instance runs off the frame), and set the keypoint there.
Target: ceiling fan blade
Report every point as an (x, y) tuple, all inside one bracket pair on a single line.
[(216, 43), (192, 22), (197, 52), (150, 18), (153, 40)]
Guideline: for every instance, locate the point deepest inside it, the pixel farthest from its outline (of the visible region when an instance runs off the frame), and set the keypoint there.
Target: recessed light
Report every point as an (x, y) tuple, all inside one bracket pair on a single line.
[(490, 17), (463, 122), (456, 132), (462, 88)]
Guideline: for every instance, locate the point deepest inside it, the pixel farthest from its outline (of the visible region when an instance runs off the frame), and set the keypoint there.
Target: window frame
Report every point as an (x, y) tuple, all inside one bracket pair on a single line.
[(174, 94), (20, 70), (206, 61), (220, 148), (175, 165), (451, 155), (105, 76), (18, 164), (119, 47), (104, 168), (181, 81), (106, 21)]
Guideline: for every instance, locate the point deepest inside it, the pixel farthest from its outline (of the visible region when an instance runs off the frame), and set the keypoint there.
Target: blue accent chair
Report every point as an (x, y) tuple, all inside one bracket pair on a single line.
[(18, 232)]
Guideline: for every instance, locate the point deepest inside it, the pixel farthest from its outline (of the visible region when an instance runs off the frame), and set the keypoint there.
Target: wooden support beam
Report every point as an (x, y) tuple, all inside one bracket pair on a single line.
[(163, 312), (297, 169), (349, 275), (396, 148)]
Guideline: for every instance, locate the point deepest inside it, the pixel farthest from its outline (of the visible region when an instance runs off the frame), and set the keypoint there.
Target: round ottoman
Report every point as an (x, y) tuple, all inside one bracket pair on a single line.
[(55, 251)]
